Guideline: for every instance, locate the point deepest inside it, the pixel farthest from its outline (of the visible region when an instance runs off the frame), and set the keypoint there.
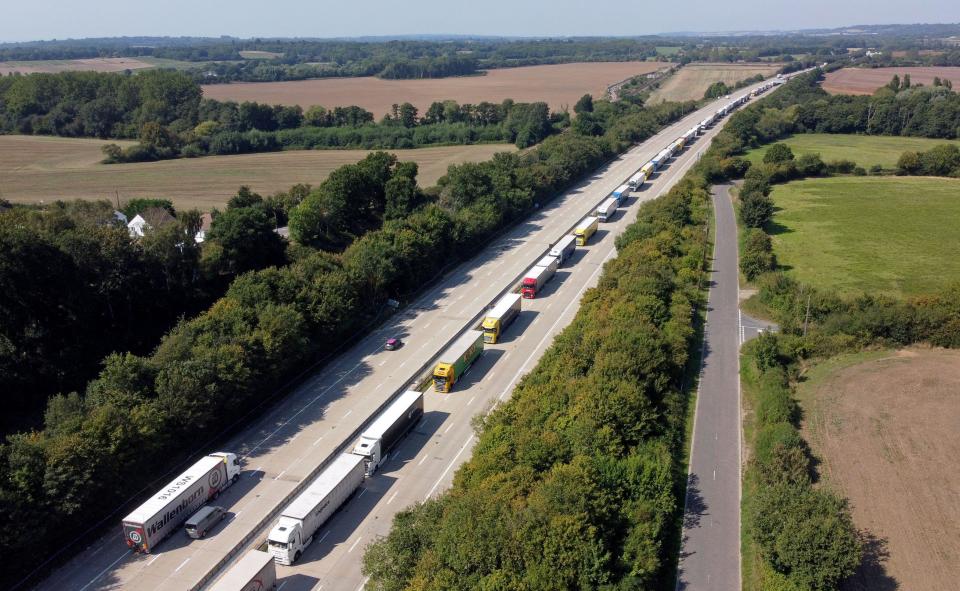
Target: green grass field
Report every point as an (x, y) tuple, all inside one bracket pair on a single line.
[(668, 49), (893, 235), (865, 150)]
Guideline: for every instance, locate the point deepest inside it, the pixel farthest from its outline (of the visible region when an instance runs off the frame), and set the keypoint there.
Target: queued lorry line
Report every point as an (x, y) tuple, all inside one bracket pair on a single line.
[(456, 359), (156, 518), (621, 193), (159, 516), (255, 571), (500, 317)]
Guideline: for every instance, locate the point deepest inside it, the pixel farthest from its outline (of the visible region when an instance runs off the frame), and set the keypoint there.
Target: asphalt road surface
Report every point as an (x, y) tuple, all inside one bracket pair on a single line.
[(280, 449), (710, 555)]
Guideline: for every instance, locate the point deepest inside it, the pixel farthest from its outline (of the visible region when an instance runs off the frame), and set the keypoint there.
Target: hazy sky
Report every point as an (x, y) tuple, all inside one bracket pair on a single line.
[(48, 19)]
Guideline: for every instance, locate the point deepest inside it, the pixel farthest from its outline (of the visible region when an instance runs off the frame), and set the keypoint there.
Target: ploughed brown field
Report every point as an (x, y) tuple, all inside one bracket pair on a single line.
[(559, 85), (888, 433), (98, 64), (868, 80), (34, 169), (692, 80)]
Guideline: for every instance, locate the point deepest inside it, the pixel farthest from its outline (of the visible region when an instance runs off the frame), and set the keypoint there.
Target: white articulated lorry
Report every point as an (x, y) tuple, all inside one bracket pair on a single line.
[(389, 428), (564, 248), (255, 571), (607, 210), (158, 517), (301, 520)]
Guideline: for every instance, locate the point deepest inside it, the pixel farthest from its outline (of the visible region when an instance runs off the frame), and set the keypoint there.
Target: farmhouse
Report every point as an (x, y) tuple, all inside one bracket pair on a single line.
[(148, 219)]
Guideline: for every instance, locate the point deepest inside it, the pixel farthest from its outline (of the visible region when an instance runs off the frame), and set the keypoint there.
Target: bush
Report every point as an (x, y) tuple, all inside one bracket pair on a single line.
[(756, 255), (777, 154), (811, 165), (756, 209), (841, 166)]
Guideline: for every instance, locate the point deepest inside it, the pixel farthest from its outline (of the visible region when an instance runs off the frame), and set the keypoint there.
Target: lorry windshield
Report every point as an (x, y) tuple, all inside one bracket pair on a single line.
[(281, 545), (439, 383)]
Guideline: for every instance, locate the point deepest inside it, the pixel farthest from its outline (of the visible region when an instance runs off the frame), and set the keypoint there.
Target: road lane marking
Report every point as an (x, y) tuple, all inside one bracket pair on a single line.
[(348, 413), (324, 537), (112, 564), (422, 460), (450, 426), (182, 564), (318, 440), (393, 496), (152, 560), (381, 364), (279, 475), (363, 584), (452, 462), (352, 547), (363, 490), (285, 582), (469, 402)]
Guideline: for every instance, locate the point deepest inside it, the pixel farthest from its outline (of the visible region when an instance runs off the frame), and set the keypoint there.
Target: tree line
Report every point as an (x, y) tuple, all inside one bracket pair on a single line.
[(232, 128), (141, 416), (576, 480)]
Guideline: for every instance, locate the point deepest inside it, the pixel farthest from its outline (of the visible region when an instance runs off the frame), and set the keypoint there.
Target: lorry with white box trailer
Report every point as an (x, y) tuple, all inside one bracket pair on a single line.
[(255, 571), (499, 318), (636, 181), (564, 248), (163, 513), (389, 428), (607, 210), (301, 520), (621, 193)]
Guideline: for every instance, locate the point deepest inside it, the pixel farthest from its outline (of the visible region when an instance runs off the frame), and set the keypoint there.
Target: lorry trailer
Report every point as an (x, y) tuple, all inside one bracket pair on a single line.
[(636, 181), (607, 210), (255, 571), (621, 193), (457, 359), (648, 168), (538, 276), (585, 229), (499, 318), (564, 248), (302, 518), (389, 428), (163, 513)]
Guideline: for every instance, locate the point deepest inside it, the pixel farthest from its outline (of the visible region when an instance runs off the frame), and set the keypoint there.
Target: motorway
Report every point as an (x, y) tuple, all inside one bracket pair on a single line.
[(710, 555), (286, 445)]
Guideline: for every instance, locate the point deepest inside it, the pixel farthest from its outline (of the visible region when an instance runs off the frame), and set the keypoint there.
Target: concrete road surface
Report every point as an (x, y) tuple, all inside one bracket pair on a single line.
[(710, 556), (292, 439)]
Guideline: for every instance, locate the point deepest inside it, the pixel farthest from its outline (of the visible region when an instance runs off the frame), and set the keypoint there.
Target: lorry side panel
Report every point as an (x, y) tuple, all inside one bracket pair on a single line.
[(404, 423)]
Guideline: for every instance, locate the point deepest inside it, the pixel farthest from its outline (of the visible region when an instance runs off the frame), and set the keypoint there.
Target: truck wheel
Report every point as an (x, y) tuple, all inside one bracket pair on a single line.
[(203, 533), (216, 495), (236, 478), (296, 556)]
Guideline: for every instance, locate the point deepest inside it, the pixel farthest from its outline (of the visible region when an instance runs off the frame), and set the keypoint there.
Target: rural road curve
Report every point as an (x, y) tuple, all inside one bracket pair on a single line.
[(710, 552)]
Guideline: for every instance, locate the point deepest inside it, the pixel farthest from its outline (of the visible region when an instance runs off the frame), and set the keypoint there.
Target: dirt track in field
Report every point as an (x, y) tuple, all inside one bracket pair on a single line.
[(868, 80), (888, 432), (558, 85)]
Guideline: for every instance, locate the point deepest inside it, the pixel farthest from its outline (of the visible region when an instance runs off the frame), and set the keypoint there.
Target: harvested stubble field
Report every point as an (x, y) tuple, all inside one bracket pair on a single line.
[(692, 80), (559, 85), (98, 64), (34, 169), (868, 80), (885, 427)]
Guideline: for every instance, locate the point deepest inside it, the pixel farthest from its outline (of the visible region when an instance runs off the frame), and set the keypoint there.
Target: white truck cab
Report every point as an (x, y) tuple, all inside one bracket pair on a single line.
[(286, 542)]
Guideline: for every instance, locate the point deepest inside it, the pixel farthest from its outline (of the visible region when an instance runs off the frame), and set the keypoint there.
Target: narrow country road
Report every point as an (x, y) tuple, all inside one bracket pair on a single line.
[(710, 552)]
